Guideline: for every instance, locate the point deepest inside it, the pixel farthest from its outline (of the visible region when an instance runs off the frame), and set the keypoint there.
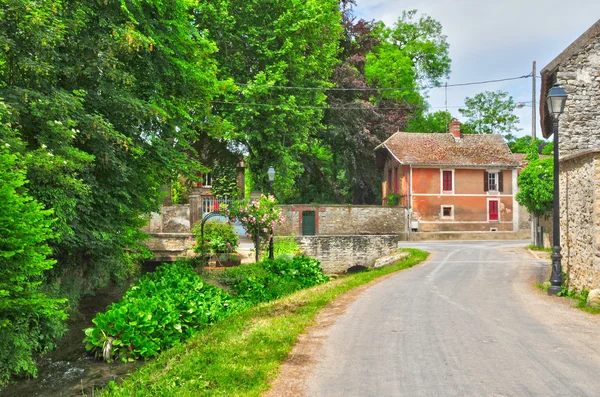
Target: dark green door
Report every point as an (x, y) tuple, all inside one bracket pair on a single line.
[(308, 223)]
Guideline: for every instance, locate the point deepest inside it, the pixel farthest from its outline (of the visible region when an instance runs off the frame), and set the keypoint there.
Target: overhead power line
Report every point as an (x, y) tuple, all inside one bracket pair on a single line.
[(251, 104), (284, 87)]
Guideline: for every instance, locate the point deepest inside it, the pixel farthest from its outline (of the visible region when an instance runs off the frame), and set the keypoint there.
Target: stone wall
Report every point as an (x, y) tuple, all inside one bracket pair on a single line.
[(580, 220), (579, 75), (339, 253), (345, 220), (172, 219)]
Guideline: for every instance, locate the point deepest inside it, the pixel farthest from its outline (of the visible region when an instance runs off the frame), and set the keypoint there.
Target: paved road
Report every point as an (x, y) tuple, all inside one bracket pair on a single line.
[(465, 323)]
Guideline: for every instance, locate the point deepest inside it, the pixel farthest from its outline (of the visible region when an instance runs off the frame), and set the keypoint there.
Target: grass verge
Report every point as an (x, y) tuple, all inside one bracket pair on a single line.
[(240, 355), (534, 247)]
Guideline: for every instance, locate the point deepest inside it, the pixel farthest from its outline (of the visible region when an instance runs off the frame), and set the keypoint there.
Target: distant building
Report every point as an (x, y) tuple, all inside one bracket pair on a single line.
[(451, 181)]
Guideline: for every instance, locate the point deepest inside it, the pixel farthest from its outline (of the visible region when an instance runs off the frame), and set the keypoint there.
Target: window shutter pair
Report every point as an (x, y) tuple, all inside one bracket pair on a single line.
[(500, 182)]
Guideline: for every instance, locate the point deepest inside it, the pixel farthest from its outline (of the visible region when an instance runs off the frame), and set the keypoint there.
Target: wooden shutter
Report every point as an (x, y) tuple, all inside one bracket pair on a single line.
[(500, 181), (485, 181)]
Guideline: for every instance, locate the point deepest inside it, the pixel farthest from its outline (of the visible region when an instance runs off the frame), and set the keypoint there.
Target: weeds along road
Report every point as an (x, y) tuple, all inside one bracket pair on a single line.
[(467, 322)]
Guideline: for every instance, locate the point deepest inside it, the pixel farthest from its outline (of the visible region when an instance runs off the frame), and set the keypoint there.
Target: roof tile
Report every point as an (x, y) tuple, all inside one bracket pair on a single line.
[(443, 149)]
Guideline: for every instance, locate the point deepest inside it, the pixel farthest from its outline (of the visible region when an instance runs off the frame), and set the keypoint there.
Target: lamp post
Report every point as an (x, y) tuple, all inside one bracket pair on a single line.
[(556, 105), (271, 175)]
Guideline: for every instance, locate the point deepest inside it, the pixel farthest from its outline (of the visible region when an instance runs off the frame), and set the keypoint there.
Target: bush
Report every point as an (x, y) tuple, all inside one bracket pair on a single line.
[(393, 200), (273, 279), (30, 321), (221, 237), (285, 245), (162, 309)]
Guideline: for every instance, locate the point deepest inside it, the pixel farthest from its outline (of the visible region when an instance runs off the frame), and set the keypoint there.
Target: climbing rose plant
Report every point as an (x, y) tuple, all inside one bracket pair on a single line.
[(258, 216)]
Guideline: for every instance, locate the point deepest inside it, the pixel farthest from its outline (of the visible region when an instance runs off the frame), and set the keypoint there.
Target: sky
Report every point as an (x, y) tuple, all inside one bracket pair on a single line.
[(495, 39)]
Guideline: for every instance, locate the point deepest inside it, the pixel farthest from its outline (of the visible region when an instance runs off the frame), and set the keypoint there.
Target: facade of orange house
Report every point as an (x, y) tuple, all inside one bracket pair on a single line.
[(451, 181)]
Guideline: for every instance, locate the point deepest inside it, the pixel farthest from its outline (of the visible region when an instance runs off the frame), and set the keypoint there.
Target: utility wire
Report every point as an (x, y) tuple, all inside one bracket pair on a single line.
[(283, 87), (330, 107)]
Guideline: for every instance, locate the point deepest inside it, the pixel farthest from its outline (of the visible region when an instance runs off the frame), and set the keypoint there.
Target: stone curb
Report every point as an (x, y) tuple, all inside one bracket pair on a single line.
[(388, 260)]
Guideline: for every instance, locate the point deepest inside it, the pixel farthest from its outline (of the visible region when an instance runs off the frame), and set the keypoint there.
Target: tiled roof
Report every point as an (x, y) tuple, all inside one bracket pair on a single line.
[(443, 149)]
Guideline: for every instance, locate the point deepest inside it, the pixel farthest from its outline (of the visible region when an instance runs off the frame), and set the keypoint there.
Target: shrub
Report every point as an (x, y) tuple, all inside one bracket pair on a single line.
[(221, 237), (162, 309), (393, 200), (273, 279), (285, 245), (30, 321)]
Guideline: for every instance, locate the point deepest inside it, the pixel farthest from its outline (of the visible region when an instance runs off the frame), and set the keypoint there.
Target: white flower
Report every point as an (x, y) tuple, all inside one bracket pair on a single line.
[(44, 146), (58, 122), (50, 154), (73, 136), (64, 162), (7, 145)]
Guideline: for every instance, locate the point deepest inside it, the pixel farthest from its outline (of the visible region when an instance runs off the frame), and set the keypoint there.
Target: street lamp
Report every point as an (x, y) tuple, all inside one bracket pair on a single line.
[(556, 105), (271, 175)]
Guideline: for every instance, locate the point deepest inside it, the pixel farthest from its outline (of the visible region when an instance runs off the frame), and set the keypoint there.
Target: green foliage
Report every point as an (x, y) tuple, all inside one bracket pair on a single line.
[(240, 356), (30, 321), (548, 149), (524, 144), (536, 187), (490, 113), (285, 245), (162, 309), (107, 99), (221, 237), (273, 279), (266, 43), (421, 41), (224, 181), (393, 200), (430, 122)]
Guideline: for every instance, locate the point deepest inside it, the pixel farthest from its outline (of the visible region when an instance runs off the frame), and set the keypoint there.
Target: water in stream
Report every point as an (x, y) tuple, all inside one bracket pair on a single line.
[(69, 370)]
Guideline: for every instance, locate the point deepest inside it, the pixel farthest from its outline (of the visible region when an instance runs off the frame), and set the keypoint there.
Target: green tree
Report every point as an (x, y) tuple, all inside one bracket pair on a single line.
[(107, 100), (430, 122), (536, 186), (490, 113), (524, 143), (264, 45), (30, 321), (403, 59)]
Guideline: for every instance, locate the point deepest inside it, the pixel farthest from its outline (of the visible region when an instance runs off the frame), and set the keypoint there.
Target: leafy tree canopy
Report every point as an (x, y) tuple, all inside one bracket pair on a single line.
[(536, 186), (430, 122), (490, 113)]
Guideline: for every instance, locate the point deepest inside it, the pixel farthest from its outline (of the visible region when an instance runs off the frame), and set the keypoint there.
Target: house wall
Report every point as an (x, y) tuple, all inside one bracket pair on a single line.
[(338, 253), (468, 200), (579, 126), (345, 220), (580, 220)]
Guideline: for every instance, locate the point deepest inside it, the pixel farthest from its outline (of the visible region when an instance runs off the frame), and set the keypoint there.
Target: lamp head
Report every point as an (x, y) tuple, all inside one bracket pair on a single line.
[(271, 174), (557, 97)]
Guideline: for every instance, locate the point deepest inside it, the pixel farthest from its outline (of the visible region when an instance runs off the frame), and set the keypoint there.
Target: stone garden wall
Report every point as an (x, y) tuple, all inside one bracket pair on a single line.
[(579, 126), (172, 219), (339, 253), (580, 219), (345, 220)]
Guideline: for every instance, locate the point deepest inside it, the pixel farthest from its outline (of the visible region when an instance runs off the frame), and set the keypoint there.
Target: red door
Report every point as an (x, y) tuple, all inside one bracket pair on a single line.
[(493, 210)]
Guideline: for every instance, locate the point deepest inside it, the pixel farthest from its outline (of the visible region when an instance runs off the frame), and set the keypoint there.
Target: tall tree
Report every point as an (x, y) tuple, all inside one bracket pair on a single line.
[(382, 72), (29, 320), (265, 46), (491, 113), (107, 97)]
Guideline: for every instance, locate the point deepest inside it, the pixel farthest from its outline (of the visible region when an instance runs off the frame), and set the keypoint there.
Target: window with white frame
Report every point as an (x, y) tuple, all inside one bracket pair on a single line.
[(447, 212), (493, 181)]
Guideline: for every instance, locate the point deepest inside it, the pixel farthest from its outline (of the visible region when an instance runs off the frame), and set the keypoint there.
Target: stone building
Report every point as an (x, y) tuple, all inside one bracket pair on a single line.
[(577, 70)]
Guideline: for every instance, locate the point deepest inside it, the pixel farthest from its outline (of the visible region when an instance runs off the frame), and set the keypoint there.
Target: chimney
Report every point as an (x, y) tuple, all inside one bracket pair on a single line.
[(455, 128)]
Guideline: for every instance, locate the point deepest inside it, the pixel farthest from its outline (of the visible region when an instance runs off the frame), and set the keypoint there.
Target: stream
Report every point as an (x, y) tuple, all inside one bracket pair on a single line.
[(69, 370)]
